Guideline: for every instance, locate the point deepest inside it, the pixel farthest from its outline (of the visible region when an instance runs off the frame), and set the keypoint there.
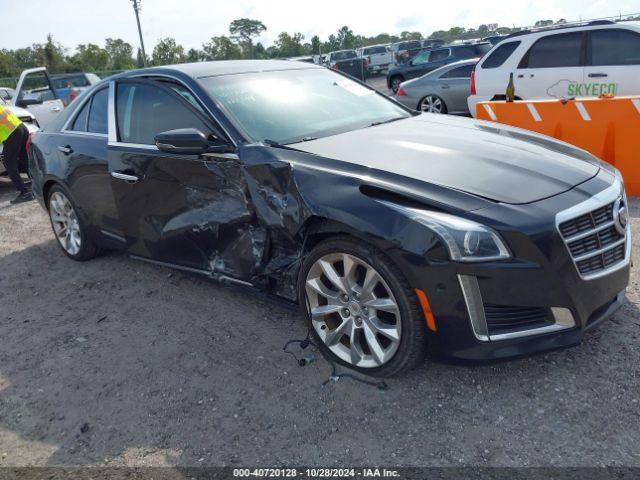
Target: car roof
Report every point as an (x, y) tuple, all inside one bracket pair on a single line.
[(575, 26), (224, 67)]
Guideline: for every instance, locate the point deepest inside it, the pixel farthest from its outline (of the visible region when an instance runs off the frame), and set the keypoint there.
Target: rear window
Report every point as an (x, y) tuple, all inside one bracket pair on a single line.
[(563, 50), (615, 47), (374, 50), (500, 55)]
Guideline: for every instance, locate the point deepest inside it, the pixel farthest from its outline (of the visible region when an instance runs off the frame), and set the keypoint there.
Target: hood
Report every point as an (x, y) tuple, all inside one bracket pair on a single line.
[(493, 161), (19, 112)]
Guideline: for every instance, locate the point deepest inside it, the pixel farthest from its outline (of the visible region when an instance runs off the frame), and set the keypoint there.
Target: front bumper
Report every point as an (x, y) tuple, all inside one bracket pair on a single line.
[(541, 282)]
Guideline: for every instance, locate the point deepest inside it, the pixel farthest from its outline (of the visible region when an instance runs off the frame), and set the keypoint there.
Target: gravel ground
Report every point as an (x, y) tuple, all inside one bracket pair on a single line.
[(116, 362)]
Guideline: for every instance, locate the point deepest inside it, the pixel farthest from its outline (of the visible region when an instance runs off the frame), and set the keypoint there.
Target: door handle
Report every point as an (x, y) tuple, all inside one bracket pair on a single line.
[(445, 86), (125, 177), (520, 76), (55, 109), (67, 150), (597, 75)]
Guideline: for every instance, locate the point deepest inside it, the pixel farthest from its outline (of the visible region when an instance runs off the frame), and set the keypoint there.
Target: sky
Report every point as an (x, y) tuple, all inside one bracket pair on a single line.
[(192, 22)]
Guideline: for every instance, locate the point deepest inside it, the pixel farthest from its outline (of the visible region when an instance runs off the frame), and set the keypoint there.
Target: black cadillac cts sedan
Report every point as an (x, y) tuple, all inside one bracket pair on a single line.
[(397, 233)]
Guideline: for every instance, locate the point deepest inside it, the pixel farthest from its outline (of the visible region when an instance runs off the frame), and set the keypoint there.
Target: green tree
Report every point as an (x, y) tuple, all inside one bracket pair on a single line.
[(346, 38), (289, 45), (244, 30), (120, 54), (410, 36), (221, 48), (52, 55), (167, 52), (195, 55), (316, 45), (90, 58)]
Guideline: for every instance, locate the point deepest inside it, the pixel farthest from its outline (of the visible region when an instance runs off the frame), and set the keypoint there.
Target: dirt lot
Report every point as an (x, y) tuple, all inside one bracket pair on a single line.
[(115, 362)]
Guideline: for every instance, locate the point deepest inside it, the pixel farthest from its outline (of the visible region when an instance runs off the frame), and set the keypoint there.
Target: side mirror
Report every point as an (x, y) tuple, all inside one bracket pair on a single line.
[(183, 140), (25, 101)]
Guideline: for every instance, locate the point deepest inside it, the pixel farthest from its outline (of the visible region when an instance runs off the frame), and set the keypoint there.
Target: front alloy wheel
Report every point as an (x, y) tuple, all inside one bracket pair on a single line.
[(432, 104), (361, 310), (353, 311)]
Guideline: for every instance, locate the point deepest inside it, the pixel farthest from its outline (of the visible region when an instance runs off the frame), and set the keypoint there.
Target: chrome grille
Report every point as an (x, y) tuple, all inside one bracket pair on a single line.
[(593, 241)]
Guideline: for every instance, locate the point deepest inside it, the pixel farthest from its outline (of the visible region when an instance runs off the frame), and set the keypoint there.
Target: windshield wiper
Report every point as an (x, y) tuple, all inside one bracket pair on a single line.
[(394, 119)]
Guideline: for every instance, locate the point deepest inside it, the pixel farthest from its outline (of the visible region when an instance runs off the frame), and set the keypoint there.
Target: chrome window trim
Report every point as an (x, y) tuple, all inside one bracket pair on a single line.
[(84, 134), (600, 199)]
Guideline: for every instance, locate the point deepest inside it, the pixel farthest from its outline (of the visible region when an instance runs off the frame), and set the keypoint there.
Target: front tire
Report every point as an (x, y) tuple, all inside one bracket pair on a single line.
[(395, 83), (69, 227), (362, 312)]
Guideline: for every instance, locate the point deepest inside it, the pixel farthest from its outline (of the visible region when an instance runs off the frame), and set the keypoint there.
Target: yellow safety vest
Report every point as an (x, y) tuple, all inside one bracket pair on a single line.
[(8, 123)]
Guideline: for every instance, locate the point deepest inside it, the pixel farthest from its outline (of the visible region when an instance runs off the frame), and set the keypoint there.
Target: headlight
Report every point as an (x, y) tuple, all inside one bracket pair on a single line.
[(467, 241)]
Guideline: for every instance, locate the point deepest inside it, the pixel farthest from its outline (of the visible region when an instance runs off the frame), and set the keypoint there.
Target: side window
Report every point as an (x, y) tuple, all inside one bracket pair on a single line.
[(615, 47), (500, 55), (144, 110), (437, 55), (98, 114), (422, 57), (562, 50), (465, 52), (459, 72), (80, 123)]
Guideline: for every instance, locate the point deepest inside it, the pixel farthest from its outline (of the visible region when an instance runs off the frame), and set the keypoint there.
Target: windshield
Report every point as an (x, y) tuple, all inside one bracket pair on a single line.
[(344, 55), (295, 105)]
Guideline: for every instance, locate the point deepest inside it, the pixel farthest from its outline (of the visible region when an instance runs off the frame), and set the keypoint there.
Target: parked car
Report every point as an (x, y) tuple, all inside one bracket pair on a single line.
[(69, 85), (395, 232), (494, 39), (304, 58), (378, 57), (432, 43), (428, 60), (6, 93), (36, 94), (444, 90), (27, 118), (347, 61), (580, 60), (405, 50)]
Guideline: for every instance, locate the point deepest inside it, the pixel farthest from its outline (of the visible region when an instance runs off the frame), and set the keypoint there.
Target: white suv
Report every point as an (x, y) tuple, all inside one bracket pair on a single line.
[(562, 62)]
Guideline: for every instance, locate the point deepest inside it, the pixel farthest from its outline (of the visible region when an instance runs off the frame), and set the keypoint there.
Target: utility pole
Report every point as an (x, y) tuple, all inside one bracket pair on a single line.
[(136, 8)]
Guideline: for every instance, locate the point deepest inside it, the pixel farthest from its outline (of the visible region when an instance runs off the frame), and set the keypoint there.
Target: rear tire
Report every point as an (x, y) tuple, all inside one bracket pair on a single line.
[(68, 226), (432, 104), (372, 324)]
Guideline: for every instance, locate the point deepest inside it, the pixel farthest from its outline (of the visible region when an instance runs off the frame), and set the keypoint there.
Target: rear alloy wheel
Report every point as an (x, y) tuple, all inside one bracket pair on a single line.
[(432, 104), (361, 310), (68, 227)]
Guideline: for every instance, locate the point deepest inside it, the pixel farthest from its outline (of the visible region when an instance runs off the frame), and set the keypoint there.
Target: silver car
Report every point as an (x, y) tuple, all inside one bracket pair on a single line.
[(444, 90)]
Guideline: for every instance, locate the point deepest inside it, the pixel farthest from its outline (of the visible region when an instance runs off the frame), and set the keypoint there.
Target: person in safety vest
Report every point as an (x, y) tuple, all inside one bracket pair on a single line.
[(13, 137)]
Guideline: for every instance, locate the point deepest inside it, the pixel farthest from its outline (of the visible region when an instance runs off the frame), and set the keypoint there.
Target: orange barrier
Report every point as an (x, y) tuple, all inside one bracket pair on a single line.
[(609, 128)]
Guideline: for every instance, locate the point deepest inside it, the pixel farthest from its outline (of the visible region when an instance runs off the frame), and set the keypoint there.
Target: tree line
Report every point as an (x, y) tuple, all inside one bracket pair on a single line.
[(240, 43)]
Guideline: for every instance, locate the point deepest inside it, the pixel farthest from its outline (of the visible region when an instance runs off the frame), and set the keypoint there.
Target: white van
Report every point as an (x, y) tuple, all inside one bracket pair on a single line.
[(586, 60)]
